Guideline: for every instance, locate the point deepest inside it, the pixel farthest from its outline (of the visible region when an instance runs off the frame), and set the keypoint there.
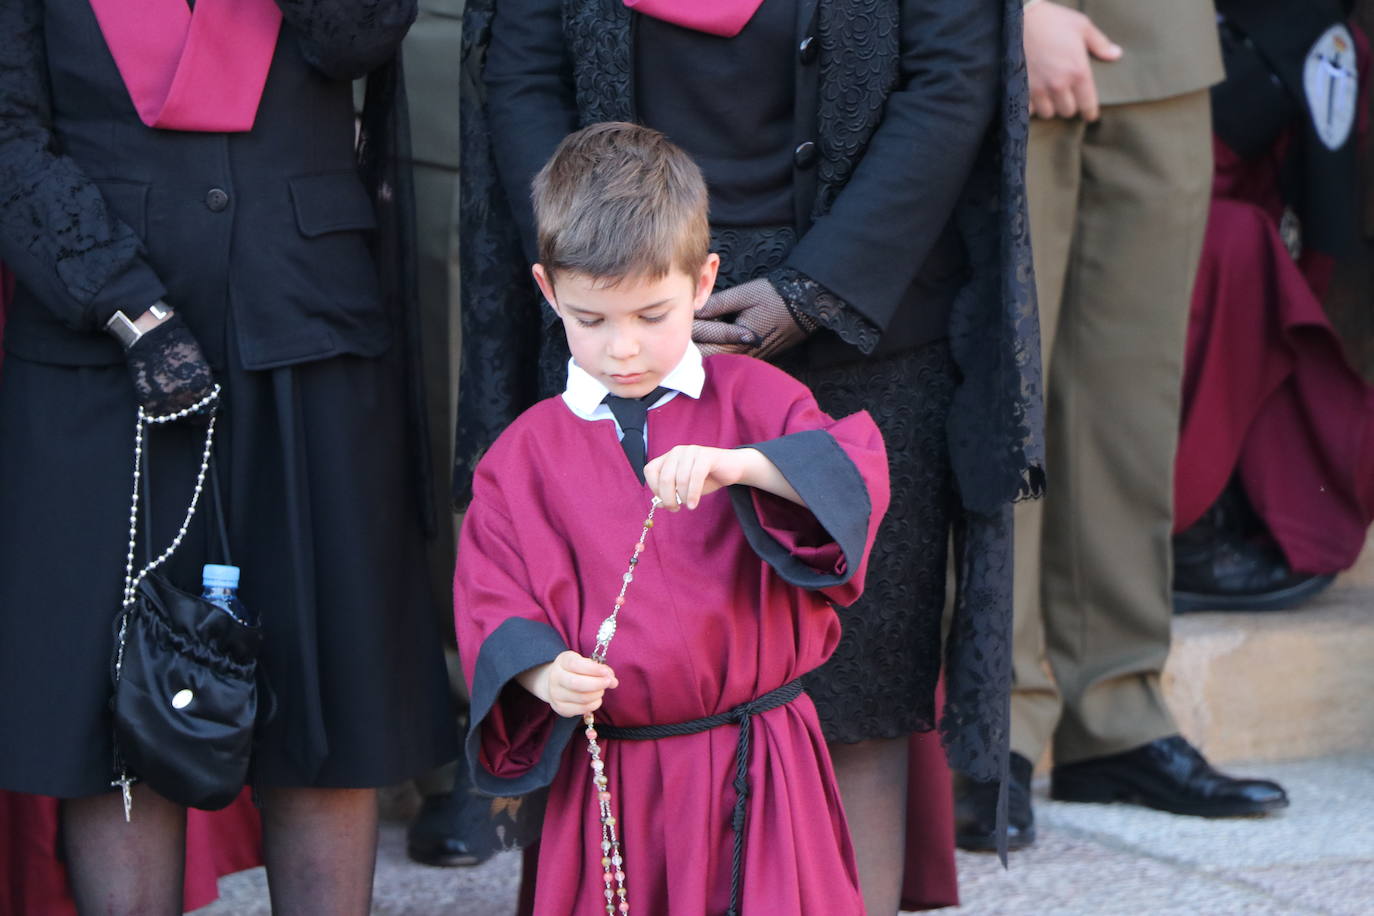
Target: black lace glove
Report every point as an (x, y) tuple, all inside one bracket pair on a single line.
[(169, 371), (763, 325)]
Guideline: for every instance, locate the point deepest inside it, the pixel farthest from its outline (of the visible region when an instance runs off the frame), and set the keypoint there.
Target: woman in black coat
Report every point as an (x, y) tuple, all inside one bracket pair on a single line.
[(234, 238), (864, 159)]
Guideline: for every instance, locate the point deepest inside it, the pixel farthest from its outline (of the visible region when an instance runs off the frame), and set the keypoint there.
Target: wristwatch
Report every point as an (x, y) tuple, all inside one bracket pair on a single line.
[(128, 330)]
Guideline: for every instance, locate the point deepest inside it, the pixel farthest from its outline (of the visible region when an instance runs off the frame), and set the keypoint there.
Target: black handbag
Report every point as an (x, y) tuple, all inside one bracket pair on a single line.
[(186, 691)]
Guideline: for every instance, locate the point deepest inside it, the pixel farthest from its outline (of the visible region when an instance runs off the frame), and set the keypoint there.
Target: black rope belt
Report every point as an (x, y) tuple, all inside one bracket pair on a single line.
[(741, 715)]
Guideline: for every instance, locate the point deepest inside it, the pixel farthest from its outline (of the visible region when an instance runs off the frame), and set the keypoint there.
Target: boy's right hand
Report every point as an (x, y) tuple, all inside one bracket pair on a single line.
[(572, 684)]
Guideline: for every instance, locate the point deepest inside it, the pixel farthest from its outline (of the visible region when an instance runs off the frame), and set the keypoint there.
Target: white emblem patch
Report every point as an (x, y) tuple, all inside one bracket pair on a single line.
[(1330, 80)]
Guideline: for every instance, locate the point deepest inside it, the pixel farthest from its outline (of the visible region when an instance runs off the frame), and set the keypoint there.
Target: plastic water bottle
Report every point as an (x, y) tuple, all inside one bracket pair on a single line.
[(221, 589)]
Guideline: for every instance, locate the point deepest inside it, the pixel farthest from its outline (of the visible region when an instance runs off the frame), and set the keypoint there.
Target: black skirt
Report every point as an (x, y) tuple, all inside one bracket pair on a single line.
[(321, 514), (881, 681)]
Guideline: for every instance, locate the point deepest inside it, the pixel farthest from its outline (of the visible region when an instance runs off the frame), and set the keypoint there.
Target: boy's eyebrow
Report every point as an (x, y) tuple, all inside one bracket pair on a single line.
[(643, 308)]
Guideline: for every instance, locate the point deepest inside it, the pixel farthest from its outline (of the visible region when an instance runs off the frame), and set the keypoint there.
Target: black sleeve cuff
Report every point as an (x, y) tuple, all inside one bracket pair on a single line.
[(834, 492), (806, 297), (517, 645)]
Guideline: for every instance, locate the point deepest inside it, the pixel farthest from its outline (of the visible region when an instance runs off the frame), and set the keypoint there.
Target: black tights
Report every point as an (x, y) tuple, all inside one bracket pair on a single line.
[(872, 776), (124, 869), (320, 847)]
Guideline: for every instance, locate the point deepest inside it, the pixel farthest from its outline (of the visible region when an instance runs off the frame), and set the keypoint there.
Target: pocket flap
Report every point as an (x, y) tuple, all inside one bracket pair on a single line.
[(331, 202)]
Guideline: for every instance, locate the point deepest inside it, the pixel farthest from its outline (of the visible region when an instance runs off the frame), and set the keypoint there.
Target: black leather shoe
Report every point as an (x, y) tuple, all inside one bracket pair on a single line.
[(975, 810), (1217, 569), (1169, 775), (439, 836)]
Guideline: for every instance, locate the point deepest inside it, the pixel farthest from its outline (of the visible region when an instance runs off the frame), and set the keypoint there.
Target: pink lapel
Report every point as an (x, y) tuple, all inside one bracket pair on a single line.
[(201, 71), (719, 17)]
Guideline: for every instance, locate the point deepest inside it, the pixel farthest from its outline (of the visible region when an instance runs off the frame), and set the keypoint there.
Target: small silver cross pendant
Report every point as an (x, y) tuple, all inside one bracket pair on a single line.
[(125, 783)]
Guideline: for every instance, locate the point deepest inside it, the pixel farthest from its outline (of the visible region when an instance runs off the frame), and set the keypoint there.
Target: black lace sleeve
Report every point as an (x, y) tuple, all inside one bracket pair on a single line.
[(56, 233), (346, 39), (812, 301)]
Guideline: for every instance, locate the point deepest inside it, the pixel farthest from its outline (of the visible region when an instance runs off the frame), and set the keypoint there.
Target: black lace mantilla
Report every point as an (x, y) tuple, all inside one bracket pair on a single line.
[(859, 60), (347, 39)]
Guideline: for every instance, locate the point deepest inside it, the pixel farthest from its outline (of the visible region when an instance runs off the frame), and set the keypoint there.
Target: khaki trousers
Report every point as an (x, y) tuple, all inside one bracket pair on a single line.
[(1118, 209)]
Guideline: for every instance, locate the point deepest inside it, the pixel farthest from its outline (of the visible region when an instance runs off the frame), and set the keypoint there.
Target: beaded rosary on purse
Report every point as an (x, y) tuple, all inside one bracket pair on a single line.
[(612, 859), (185, 692)]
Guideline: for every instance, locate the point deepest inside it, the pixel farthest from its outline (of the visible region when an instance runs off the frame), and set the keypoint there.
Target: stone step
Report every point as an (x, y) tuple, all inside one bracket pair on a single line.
[(1280, 685)]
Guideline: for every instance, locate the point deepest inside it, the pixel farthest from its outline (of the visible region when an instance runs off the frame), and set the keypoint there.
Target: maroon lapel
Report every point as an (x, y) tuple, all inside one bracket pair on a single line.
[(719, 17), (199, 71)]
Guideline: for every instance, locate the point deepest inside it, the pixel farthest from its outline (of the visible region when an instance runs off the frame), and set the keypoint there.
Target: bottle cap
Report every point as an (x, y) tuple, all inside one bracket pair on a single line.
[(217, 576)]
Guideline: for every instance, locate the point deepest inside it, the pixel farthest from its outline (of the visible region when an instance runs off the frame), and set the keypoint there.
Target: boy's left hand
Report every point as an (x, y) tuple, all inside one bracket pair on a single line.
[(686, 473)]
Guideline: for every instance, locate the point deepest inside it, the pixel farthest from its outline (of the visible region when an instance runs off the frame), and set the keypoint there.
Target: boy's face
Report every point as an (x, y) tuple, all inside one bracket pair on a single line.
[(630, 335)]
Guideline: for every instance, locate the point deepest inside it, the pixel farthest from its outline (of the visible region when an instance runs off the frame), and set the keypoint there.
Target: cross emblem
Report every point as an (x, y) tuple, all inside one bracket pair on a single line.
[(125, 783)]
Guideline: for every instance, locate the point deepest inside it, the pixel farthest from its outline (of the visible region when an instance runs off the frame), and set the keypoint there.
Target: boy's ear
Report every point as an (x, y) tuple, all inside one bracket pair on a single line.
[(706, 280), (545, 285)]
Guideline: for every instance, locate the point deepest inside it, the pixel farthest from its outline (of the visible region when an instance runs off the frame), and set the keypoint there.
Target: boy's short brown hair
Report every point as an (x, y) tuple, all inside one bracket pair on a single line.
[(619, 200)]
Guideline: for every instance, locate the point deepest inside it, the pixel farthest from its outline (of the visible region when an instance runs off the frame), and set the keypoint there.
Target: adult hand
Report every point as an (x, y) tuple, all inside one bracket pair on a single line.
[(762, 327), (169, 370), (715, 330), (1058, 43)]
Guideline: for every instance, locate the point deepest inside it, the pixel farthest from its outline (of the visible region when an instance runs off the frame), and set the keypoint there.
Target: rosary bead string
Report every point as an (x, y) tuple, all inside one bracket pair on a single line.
[(612, 858), (132, 581)]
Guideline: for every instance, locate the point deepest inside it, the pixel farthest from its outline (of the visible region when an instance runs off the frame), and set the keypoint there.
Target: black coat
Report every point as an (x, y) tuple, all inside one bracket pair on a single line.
[(887, 246), (102, 213), (930, 90)]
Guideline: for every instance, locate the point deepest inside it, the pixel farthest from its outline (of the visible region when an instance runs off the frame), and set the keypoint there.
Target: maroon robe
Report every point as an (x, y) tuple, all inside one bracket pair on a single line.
[(1267, 391), (730, 601)]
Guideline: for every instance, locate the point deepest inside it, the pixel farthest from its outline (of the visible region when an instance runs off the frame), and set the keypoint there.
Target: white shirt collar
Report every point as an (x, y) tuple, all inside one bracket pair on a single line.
[(584, 393)]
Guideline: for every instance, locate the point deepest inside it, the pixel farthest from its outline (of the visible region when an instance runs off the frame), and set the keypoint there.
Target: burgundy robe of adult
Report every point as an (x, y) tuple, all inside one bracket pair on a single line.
[(1267, 391), (729, 601)]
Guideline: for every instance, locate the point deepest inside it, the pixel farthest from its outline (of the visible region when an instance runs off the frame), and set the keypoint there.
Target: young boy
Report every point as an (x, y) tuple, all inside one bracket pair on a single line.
[(730, 600)]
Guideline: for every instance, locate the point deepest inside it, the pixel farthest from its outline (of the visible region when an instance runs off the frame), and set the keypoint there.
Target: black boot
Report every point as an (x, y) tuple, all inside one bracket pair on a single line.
[(1228, 561), (443, 833), (975, 810), (1169, 775), (1227, 574)]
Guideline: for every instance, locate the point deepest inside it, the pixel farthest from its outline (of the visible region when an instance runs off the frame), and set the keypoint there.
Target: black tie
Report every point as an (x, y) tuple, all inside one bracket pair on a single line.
[(630, 413)]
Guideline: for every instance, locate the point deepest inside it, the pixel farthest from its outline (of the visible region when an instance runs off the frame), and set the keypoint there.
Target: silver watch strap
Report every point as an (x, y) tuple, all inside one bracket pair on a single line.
[(125, 331)]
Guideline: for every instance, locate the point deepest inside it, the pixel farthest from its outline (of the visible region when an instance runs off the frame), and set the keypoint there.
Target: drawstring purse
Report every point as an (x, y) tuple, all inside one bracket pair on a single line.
[(185, 670)]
